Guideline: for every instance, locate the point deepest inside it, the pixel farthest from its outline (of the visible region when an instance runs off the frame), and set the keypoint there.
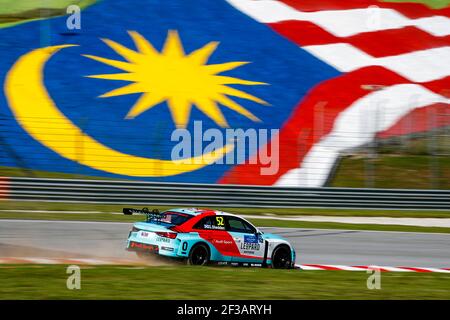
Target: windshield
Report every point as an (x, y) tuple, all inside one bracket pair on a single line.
[(175, 218)]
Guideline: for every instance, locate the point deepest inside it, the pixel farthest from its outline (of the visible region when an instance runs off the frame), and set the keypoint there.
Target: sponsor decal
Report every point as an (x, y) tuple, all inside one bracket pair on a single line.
[(250, 246), (250, 239), (222, 241), (144, 234), (162, 239), (208, 226), (143, 246)]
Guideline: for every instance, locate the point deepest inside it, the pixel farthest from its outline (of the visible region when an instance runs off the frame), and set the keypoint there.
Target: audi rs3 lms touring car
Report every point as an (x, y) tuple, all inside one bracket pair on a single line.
[(202, 236)]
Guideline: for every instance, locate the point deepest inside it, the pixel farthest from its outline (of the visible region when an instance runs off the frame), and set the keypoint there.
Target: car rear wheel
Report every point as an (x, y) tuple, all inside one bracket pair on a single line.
[(281, 258), (199, 255)]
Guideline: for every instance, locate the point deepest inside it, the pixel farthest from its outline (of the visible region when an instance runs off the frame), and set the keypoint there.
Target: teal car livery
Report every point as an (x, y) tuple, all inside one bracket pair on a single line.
[(202, 236)]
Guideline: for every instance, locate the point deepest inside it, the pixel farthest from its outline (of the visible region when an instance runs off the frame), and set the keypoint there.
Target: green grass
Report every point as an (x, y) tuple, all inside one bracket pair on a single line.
[(182, 282), (107, 208), (13, 12), (107, 216), (435, 4), (393, 171), (18, 172), (406, 162)]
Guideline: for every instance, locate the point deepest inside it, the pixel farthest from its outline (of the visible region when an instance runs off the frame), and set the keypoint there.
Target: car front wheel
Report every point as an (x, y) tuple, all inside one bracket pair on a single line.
[(281, 258)]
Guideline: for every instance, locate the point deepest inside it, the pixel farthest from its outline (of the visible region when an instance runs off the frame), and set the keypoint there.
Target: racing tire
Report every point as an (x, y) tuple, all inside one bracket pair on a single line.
[(282, 257), (199, 255)]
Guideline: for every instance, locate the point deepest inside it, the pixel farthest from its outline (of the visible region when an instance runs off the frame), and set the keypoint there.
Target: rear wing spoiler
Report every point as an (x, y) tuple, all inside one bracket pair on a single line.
[(153, 215)]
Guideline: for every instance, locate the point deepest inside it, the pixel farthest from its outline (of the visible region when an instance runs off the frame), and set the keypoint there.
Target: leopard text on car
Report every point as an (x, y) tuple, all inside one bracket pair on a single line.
[(203, 236)]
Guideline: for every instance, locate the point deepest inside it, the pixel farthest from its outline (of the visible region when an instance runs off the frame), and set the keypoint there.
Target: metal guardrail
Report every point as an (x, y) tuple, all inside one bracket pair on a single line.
[(155, 193)]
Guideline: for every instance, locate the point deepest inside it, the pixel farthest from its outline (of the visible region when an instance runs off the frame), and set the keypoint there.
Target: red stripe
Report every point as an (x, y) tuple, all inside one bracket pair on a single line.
[(411, 10), (322, 267), (372, 268), (420, 120), (4, 188), (440, 86), (299, 133), (415, 269), (378, 44)]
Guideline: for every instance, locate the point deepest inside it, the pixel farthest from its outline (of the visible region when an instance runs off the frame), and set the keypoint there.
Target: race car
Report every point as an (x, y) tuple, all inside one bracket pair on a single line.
[(203, 236)]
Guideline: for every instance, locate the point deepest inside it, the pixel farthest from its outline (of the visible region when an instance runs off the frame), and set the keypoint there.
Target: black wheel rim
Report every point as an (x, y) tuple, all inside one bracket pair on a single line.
[(282, 259), (199, 256)]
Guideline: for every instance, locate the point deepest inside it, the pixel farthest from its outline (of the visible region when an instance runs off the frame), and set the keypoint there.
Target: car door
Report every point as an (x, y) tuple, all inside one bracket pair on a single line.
[(213, 230), (250, 244)]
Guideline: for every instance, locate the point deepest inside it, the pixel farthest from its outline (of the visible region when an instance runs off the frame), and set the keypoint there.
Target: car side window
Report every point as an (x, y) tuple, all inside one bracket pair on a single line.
[(235, 224), (211, 223), (202, 223)]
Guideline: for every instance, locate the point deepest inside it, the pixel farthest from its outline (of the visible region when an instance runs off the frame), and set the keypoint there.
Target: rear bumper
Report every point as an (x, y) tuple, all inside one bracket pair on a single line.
[(148, 248), (142, 247)]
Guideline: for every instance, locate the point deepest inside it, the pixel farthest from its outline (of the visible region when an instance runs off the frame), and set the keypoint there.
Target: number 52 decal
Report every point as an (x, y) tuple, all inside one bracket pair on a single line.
[(219, 221)]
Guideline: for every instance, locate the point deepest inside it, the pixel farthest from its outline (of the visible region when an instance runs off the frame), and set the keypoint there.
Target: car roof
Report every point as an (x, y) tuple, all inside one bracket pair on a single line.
[(198, 211)]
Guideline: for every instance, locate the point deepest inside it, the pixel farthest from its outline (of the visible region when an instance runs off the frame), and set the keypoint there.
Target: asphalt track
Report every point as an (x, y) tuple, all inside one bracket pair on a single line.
[(28, 238)]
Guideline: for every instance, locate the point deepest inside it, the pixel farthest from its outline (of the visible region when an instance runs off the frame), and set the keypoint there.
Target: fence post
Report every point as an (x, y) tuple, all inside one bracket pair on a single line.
[(433, 160), (318, 125), (371, 154)]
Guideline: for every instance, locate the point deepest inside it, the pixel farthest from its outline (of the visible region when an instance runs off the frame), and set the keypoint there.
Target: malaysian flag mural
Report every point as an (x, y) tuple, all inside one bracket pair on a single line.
[(116, 94)]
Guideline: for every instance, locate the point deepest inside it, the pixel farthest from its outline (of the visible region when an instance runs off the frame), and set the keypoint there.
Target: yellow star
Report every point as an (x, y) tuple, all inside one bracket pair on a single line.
[(181, 80)]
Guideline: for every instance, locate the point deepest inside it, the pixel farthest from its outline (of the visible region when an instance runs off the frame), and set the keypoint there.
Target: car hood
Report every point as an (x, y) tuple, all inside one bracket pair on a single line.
[(272, 236)]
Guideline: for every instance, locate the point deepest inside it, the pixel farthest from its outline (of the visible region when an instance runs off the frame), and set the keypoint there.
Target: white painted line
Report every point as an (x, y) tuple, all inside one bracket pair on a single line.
[(419, 222), (49, 211), (365, 268)]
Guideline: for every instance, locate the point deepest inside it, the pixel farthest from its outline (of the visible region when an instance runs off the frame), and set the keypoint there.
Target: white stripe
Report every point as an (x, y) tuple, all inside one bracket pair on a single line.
[(436, 270), (346, 268), (391, 269), (303, 267), (438, 26), (356, 126), (420, 222), (342, 23), (42, 260), (417, 66), (96, 261), (50, 211)]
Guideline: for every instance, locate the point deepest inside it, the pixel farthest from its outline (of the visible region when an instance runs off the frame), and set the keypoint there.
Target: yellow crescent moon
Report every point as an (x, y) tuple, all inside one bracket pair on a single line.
[(36, 112)]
